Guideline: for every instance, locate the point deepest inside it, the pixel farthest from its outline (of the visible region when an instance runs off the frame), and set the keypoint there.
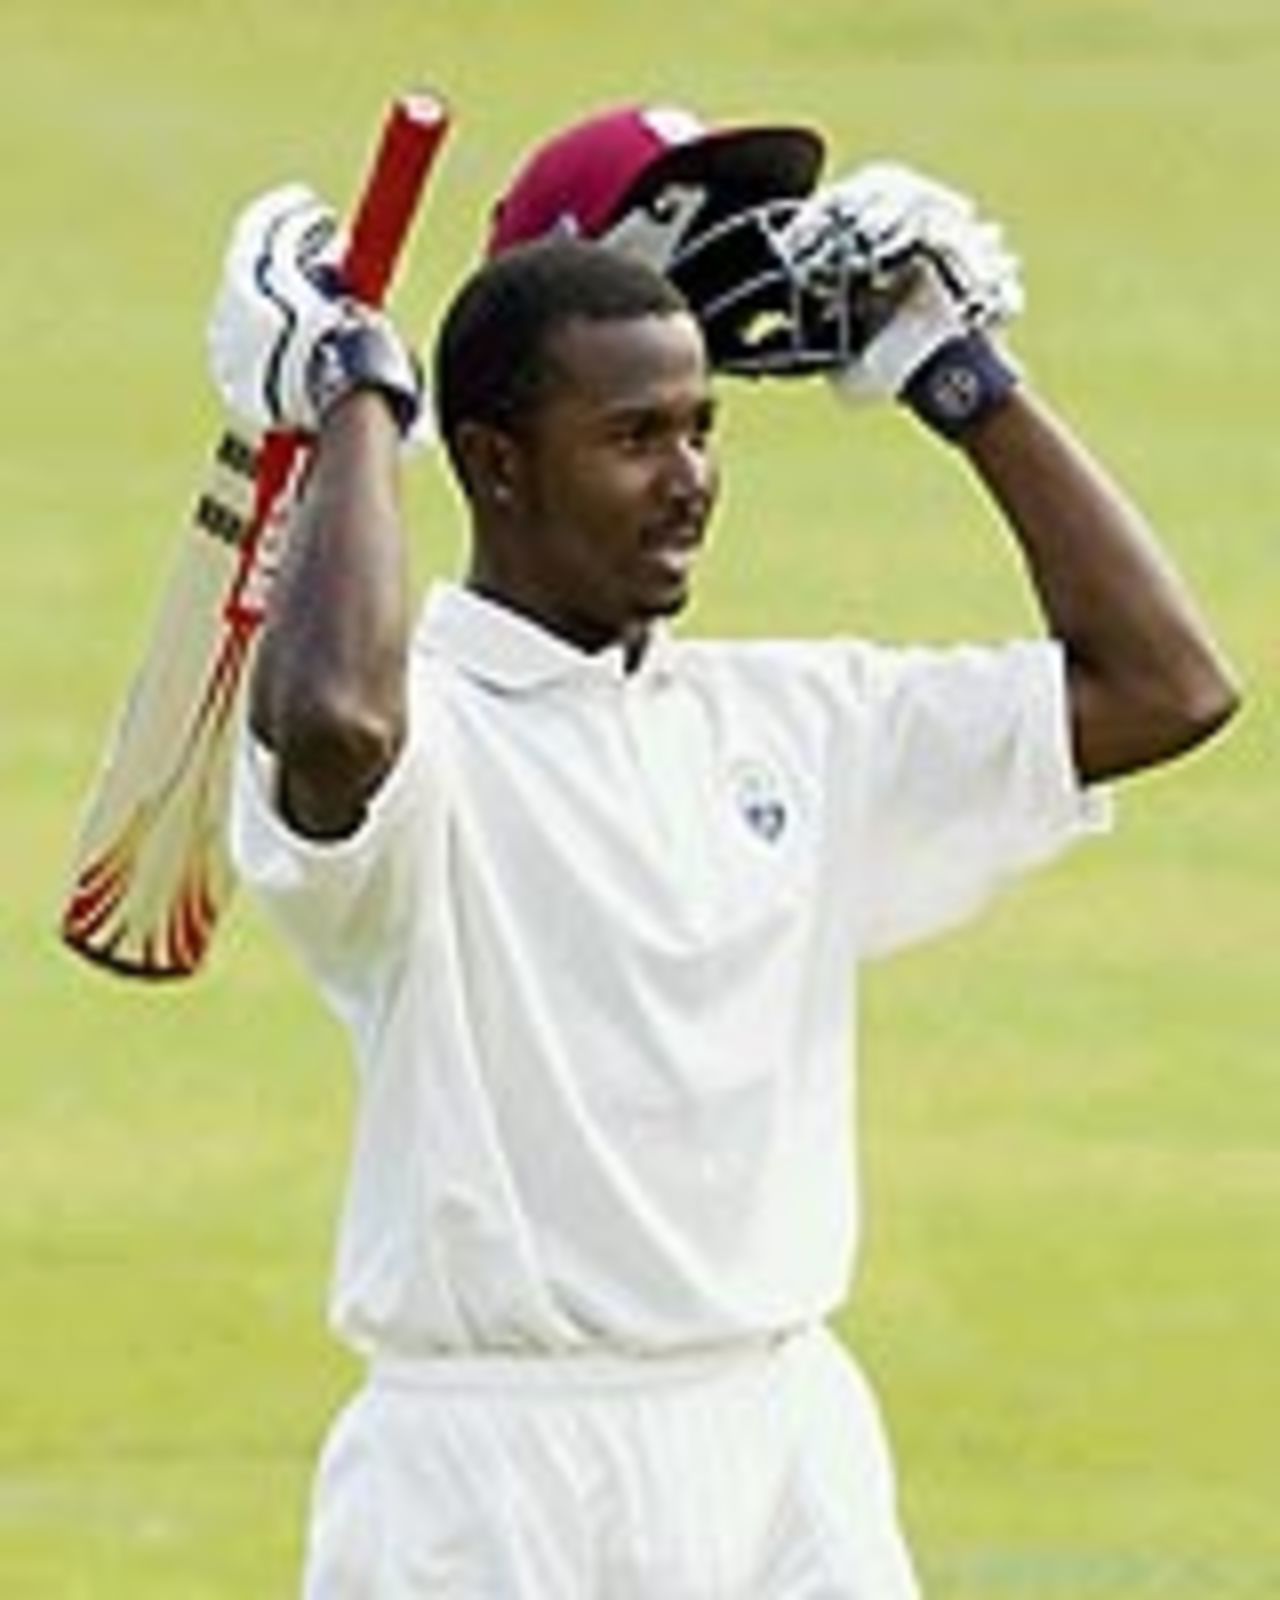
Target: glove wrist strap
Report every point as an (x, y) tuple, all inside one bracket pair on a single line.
[(363, 353), (959, 385)]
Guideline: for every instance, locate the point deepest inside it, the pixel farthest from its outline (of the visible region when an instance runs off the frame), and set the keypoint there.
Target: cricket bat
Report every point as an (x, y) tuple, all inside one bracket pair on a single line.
[(150, 872)]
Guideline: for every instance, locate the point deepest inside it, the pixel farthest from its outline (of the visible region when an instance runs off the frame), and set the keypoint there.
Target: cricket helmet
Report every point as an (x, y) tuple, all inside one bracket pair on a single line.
[(705, 206)]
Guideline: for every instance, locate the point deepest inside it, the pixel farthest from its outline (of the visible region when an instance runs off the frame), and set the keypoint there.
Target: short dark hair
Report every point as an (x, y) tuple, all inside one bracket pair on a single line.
[(491, 352)]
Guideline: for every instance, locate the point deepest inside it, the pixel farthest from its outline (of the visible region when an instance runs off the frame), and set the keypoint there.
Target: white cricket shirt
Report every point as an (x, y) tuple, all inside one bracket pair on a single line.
[(596, 945)]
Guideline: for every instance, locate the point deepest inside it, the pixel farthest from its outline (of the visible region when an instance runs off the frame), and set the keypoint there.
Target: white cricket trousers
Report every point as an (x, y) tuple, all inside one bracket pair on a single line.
[(754, 1473)]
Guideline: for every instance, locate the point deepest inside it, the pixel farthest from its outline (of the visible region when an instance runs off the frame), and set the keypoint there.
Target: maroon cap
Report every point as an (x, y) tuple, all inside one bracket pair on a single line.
[(583, 178)]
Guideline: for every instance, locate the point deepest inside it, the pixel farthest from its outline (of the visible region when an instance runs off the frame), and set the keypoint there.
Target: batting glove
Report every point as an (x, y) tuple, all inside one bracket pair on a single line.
[(925, 273), (285, 344)]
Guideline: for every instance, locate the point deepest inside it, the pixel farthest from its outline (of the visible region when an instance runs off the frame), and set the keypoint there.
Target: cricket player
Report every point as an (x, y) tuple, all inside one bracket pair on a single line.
[(592, 898)]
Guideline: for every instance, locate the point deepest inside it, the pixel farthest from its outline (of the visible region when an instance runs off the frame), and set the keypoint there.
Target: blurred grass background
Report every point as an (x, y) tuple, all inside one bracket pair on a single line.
[(1071, 1291)]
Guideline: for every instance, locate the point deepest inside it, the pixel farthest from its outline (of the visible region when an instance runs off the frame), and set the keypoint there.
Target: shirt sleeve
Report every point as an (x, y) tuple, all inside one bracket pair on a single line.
[(336, 902), (967, 780)]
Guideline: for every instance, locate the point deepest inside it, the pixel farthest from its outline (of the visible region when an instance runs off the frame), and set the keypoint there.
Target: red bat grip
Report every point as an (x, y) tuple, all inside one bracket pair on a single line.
[(410, 139)]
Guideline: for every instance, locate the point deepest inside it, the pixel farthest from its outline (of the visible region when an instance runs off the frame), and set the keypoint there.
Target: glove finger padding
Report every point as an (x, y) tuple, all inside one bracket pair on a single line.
[(276, 299), (978, 269), (858, 246), (285, 343)]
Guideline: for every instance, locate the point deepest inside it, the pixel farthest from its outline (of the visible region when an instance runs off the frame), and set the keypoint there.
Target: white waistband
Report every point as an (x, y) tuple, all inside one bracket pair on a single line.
[(571, 1371)]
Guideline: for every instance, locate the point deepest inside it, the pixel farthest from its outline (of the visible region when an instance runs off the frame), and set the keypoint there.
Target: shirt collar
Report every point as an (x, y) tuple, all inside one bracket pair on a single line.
[(510, 651)]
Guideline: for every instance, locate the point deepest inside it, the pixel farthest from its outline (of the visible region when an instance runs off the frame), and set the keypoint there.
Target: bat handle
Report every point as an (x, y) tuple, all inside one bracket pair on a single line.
[(411, 137)]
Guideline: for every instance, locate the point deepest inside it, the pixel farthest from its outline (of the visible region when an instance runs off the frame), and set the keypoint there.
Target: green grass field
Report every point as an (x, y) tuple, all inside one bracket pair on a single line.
[(1071, 1291)]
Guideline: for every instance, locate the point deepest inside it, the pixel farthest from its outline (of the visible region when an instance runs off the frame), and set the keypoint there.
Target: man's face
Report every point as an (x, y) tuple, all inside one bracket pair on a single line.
[(613, 479)]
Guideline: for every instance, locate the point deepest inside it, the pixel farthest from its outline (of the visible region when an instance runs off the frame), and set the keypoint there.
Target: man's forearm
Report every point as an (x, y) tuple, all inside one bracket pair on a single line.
[(328, 691), (1147, 680)]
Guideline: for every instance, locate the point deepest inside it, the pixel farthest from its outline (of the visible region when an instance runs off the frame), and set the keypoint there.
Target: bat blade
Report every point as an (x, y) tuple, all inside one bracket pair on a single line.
[(150, 874)]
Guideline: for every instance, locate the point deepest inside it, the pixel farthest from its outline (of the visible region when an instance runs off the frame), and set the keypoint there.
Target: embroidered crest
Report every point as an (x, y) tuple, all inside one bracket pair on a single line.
[(760, 801)]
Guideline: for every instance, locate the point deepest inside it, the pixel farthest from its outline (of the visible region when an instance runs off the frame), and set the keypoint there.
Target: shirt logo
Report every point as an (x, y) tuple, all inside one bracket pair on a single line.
[(760, 802)]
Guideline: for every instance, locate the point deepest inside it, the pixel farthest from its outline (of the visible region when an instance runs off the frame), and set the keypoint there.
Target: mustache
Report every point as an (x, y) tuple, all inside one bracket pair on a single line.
[(682, 523)]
